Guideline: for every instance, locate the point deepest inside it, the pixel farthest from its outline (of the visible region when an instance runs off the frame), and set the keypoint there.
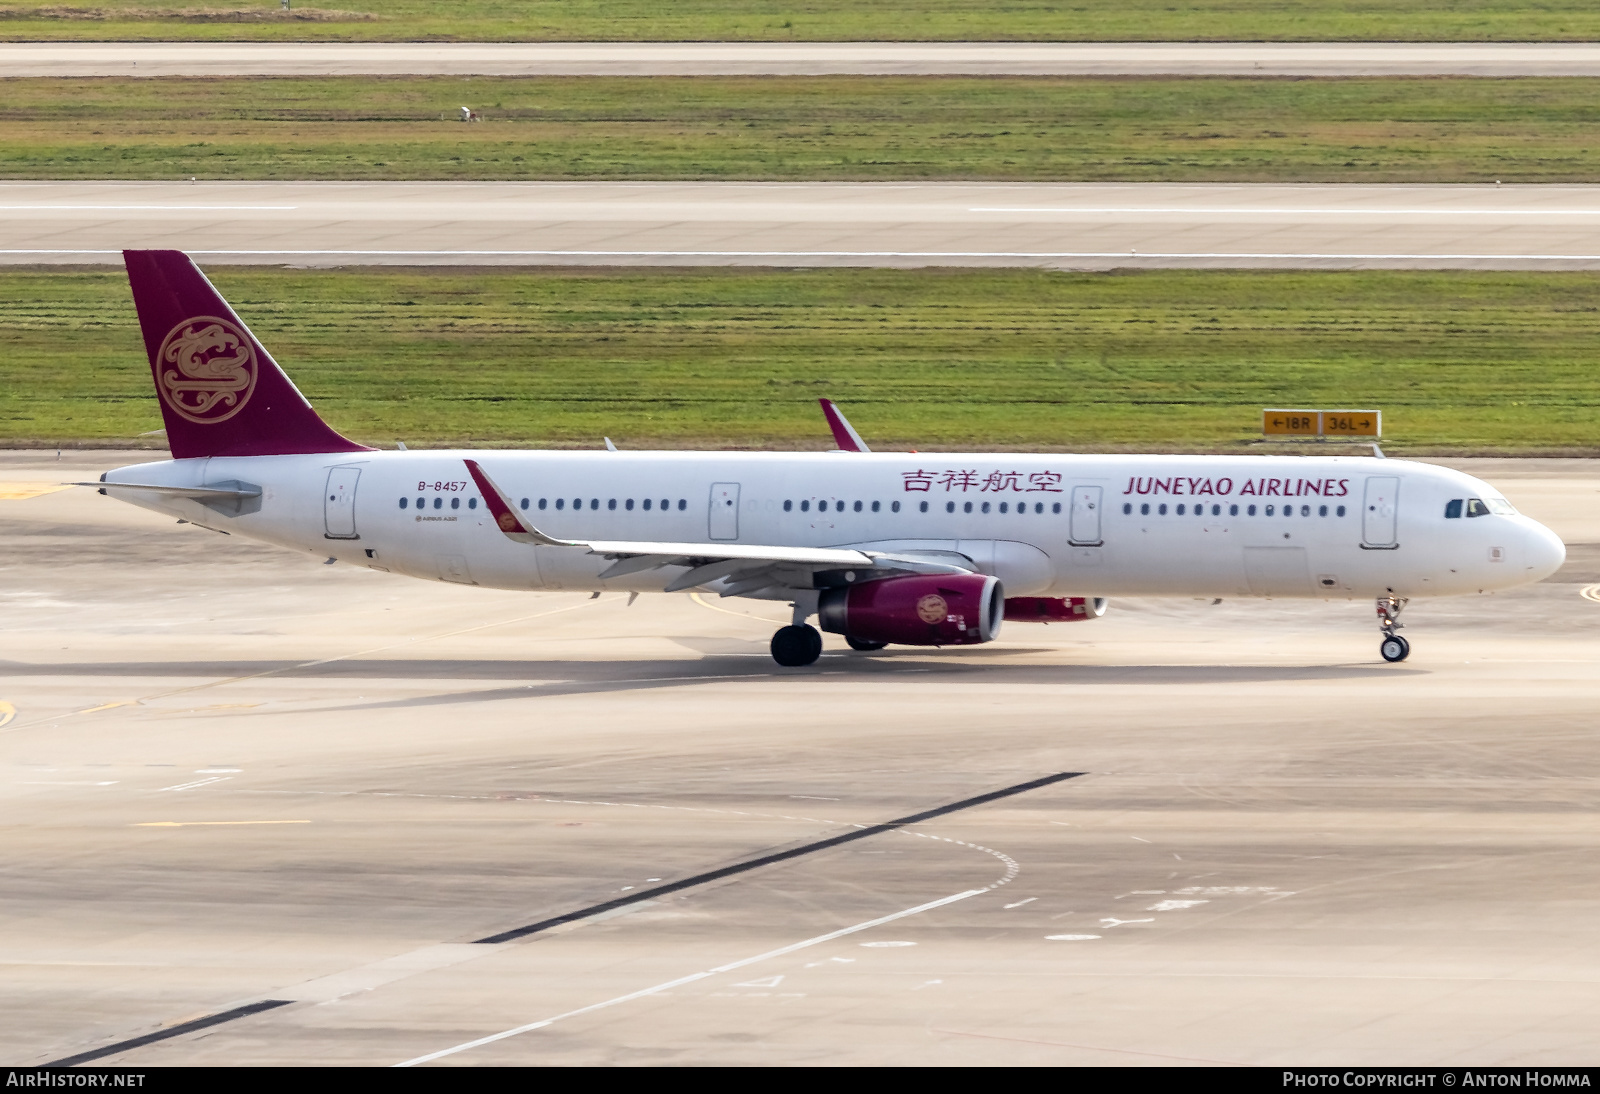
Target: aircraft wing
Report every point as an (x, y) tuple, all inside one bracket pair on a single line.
[(748, 566), (844, 434)]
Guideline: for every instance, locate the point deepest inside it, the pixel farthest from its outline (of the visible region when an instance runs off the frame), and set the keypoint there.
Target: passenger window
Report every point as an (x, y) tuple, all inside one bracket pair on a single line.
[(646, 505), (1339, 511), (1002, 507), (788, 506), (1288, 510), (1322, 510), (438, 503), (857, 507), (612, 504), (1038, 507), (542, 502), (949, 507), (1250, 512), (1216, 510), (561, 503), (577, 503), (1269, 510), (525, 503), (923, 508), (878, 504), (966, 507), (594, 503), (628, 505), (805, 506), (1161, 510), (894, 507), (985, 507), (683, 503), (1179, 509), (1144, 509), (1452, 509), (472, 503), (1233, 510), (1305, 510), (455, 503), (421, 502), (1476, 508), (1127, 508), (404, 502)]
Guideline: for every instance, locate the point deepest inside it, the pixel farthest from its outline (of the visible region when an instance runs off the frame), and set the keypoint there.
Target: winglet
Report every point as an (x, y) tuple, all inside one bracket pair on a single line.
[(844, 435), (505, 514)]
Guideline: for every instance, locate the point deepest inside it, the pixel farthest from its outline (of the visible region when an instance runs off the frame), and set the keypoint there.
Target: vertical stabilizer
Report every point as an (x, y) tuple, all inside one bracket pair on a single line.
[(221, 392)]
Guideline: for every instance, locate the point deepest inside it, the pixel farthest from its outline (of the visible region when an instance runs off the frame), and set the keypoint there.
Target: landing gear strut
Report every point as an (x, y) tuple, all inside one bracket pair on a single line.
[(1393, 648), (795, 646)]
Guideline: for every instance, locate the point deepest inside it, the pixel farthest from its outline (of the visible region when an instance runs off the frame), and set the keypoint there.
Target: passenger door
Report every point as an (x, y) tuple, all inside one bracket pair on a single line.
[(1085, 521), (724, 518), (1378, 512), (339, 503)]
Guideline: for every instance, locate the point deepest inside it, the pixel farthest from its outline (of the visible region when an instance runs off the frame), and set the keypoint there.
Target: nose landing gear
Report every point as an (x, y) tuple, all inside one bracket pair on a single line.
[(1393, 648)]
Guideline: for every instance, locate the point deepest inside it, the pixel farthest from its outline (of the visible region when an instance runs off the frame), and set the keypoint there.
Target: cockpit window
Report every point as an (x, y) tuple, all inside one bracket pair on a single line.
[(1500, 507), (1452, 509), (1477, 508)]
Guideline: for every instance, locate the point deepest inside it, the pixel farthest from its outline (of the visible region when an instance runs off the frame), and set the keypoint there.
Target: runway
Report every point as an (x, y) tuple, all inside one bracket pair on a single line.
[(799, 59), (262, 810), (1068, 226)]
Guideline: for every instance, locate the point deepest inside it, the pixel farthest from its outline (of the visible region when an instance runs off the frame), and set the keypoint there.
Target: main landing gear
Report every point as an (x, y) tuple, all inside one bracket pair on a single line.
[(796, 646), (1393, 648)]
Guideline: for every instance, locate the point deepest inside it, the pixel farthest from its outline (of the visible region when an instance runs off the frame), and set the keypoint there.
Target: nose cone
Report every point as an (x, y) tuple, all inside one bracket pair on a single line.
[(1543, 552)]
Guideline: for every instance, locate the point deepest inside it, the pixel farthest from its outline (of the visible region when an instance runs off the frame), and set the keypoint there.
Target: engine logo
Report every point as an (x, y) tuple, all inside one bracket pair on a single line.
[(207, 369), (932, 608)]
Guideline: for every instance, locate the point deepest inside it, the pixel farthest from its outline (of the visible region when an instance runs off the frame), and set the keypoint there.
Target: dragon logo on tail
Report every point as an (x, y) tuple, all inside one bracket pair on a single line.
[(207, 369)]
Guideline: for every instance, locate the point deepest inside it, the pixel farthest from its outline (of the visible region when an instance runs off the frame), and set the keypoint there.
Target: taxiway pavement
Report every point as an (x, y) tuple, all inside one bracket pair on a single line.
[(236, 775), (800, 58), (1071, 226)]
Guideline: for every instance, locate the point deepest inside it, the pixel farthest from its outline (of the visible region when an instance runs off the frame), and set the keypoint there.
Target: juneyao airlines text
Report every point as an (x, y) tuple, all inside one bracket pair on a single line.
[(1265, 488)]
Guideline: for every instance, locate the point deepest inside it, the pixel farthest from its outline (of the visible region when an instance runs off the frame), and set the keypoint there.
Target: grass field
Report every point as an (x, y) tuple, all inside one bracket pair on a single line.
[(1167, 360), (805, 20), (815, 128)]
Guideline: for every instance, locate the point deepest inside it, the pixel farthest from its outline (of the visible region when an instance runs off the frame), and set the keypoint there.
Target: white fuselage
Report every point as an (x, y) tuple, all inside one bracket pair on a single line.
[(1046, 525)]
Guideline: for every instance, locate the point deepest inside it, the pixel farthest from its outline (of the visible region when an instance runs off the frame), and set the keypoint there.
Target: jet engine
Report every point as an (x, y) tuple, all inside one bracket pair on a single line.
[(1054, 609), (916, 610)]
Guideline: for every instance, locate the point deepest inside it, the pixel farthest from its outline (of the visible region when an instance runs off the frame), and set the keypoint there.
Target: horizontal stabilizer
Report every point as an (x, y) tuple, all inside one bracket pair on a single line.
[(198, 493)]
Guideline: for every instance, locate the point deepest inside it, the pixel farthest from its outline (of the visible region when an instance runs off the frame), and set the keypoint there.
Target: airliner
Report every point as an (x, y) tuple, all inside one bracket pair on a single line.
[(909, 548)]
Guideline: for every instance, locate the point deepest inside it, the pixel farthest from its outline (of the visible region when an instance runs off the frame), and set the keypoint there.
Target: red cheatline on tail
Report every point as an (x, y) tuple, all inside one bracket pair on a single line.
[(221, 392)]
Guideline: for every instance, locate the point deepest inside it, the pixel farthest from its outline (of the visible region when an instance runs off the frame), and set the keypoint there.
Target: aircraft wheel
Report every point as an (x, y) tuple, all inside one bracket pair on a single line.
[(1394, 649), (793, 647), (865, 645)]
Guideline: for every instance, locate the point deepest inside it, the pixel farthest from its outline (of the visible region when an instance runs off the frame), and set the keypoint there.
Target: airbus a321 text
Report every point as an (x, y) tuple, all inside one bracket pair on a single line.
[(909, 548)]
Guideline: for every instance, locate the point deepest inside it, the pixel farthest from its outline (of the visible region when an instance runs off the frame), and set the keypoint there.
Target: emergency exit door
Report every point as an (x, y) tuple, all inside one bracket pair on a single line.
[(724, 510), (1379, 512), (339, 503), (1085, 520)]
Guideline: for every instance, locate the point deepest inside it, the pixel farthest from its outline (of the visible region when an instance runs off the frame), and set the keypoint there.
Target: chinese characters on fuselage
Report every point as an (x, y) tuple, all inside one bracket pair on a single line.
[(997, 482)]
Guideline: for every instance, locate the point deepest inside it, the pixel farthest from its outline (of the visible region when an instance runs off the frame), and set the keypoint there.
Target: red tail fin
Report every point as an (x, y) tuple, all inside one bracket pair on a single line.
[(221, 392)]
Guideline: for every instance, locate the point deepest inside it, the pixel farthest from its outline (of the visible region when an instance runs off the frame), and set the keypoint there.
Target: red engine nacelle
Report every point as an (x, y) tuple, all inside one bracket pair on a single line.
[(917, 610), (1054, 609)]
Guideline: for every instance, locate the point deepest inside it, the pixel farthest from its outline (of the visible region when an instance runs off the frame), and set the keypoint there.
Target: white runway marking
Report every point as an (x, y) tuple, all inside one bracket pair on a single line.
[(1295, 210), (197, 783), (150, 208), (692, 977)]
